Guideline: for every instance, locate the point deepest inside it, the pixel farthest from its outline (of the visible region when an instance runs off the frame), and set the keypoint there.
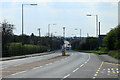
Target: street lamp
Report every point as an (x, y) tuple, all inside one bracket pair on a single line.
[(39, 32), (49, 29), (73, 35), (55, 32), (22, 18), (80, 33), (96, 23), (63, 32)]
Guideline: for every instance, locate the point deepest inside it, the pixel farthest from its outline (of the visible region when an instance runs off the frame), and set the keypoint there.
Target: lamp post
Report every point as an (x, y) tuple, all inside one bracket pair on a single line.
[(49, 29), (64, 32), (80, 33), (73, 35), (39, 32), (23, 20), (55, 32), (96, 23)]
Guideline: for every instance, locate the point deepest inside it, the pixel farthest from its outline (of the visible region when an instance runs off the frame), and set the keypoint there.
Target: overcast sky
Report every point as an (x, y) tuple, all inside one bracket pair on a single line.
[(70, 14)]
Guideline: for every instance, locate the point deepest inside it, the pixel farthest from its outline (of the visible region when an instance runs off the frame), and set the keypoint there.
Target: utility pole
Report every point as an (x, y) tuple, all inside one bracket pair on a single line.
[(23, 20), (99, 28), (99, 36), (64, 32), (80, 34), (48, 30), (96, 25), (87, 34), (39, 32)]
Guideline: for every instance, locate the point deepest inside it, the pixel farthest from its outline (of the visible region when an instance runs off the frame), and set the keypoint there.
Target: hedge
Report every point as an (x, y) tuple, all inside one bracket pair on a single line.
[(15, 49), (115, 54)]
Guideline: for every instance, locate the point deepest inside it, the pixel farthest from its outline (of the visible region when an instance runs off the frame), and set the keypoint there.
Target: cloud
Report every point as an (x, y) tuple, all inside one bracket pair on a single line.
[(59, 0), (71, 15)]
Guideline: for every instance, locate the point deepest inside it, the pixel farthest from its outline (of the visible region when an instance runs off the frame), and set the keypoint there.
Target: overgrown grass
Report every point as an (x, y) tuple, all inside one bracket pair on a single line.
[(92, 51), (115, 54)]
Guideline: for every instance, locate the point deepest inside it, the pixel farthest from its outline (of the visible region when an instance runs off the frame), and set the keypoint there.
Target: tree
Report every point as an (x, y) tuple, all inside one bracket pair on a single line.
[(89, 43), (112, 40), (7, 33)]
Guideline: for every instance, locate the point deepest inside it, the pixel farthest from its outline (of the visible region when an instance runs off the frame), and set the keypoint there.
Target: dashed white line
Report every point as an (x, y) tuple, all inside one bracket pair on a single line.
[(81, 65), (66, 76), (41, 66), (51, 63), (18, 65), (36, 67), (3, 67), (75, 69), (85, 62), (19, 73), (78, 68), (57, 61), (46, 64)]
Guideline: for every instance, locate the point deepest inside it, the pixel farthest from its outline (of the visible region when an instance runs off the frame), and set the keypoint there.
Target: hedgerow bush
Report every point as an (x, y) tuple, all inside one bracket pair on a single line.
[(15, 49), (115, 54)]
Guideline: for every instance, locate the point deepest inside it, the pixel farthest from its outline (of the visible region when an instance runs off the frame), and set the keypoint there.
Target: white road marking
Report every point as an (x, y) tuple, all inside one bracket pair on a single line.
[(75, 69), (46, 64), (81, 65), (50, 63), (78, 68), (19, 73), (41, 66), (3, 67), (36, 67), (57, 61), (66, 76), (86, 61), (18, 65)]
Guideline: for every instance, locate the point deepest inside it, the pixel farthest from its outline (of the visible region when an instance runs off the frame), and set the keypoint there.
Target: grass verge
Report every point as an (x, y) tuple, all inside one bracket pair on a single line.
[(92, 51), (115, 54)]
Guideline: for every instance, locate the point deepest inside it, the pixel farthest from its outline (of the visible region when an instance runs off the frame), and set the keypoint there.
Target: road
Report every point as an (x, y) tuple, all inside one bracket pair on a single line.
[(76, 65)]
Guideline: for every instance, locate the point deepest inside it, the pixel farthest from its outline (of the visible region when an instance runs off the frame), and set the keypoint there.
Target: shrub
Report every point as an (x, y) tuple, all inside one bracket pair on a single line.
[(114, 54), (89, 43), (15, 49), (112, 40)]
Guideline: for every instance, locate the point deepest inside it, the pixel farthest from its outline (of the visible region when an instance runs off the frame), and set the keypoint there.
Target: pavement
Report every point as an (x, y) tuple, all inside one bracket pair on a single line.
[(110, 59), (26, 56), (74, 66)]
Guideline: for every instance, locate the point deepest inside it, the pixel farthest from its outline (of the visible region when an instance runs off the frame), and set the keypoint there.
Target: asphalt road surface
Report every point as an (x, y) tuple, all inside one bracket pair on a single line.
[(75, 65)]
